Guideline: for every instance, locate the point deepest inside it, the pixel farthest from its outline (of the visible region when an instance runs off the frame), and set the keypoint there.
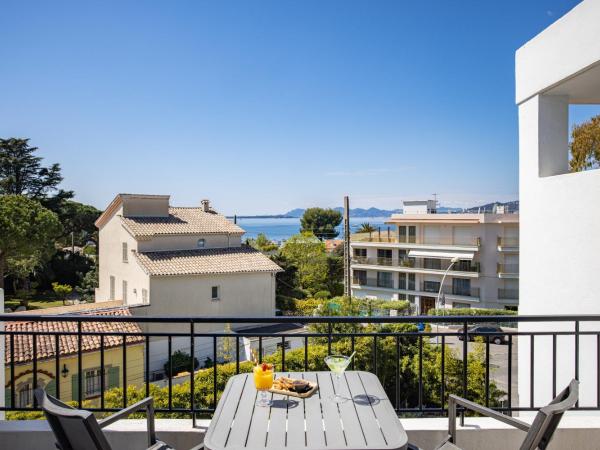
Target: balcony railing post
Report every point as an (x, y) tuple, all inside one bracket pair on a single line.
[(192, 369), (465, 356), (79, 364)]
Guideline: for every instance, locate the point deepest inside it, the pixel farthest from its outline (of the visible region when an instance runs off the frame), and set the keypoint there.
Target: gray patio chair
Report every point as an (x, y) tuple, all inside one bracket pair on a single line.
[(76, 429), (539, 433)]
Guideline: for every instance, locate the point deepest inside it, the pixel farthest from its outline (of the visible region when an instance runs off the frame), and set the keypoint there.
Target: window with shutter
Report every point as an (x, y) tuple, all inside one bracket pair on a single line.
[(75, 387), (125, 255), (51, 388), (7, 402), (124, 291), (113, 377), (112, 288)]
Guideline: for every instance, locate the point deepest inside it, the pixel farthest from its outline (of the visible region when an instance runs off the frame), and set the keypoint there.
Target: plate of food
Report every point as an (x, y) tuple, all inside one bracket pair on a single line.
[(293, 387)]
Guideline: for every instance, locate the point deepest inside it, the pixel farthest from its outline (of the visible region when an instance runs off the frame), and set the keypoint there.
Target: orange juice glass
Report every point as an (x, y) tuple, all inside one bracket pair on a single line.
[(263, 381)]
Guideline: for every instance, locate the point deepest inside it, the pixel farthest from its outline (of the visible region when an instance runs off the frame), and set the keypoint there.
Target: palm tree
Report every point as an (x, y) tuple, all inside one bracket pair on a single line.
[(366, 228)]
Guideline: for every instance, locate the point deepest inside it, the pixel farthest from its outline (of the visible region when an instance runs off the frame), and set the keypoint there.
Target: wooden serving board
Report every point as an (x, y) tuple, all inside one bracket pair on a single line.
[(313, 389)]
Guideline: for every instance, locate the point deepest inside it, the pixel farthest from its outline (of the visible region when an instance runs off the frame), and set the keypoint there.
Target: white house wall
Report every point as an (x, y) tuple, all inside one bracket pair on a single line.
[(110, 254), (560, 211)]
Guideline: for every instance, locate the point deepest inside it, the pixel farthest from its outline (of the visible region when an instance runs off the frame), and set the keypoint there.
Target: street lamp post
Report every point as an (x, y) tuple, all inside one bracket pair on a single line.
[(437, 301)]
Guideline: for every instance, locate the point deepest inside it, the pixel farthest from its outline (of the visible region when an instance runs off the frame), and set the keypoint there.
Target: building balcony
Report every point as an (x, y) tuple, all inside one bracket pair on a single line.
[(508, 270), (426, 289), (451, 291), (508, 244), (508, 294), (417, 265), (385, 239), (191, 400)]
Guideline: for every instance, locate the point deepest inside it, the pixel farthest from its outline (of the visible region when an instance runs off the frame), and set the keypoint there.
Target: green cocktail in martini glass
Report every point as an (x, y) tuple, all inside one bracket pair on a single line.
[(337, 364)]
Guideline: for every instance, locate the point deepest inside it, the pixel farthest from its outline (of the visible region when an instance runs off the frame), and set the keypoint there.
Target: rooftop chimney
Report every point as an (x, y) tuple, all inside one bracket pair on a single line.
[(205, 205)]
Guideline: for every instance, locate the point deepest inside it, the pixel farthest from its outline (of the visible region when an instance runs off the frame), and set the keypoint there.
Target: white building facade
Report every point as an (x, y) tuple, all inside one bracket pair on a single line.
[(560, 222), (408, 260)]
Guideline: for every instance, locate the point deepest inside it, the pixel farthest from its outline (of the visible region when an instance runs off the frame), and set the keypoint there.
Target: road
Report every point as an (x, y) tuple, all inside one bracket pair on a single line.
[(498, 361)]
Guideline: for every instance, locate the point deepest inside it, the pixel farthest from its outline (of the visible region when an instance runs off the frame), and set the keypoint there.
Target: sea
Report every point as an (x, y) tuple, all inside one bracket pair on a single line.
[(281, 229)]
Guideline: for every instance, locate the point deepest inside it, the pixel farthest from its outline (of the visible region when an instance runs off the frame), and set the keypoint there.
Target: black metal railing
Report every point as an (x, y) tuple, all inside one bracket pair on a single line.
[(384, 349), (420, 263)]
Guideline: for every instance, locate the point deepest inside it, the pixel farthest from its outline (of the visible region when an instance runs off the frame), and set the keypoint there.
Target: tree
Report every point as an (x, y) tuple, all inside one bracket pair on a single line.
[(308, 254), (366, 228), (585, 145), (262, 243), (27, 233), (89, 283), (321, 222), (62, 291), (21, 172), (180, 362), (78, 219)]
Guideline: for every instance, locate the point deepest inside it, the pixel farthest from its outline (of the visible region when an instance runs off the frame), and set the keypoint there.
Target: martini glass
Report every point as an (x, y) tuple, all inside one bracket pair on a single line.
[(337, 364)]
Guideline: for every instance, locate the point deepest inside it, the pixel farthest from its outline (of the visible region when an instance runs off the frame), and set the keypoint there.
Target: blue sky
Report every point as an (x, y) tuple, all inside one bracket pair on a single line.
[(271, 105)]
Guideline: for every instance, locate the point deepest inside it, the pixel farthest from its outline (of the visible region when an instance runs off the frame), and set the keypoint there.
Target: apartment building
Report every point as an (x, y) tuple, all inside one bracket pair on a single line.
[(476, 256)]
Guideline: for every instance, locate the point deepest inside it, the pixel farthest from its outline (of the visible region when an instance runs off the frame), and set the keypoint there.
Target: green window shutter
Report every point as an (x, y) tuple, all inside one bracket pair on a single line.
[(51, 388), (75, 387), (113, 377), (7, 397)]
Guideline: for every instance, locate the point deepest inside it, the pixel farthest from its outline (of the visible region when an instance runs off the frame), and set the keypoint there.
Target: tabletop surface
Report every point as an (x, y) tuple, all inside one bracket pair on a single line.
[(366, 420)]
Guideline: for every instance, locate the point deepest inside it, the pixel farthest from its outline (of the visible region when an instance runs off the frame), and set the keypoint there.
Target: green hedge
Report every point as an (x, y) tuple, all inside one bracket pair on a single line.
[(470, 312)]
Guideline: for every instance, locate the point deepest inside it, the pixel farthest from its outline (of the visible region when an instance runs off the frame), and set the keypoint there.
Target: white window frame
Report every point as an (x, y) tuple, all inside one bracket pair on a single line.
[(218, 297), (124, 295), (112, 287), (96, 383), (25, 390), (125, 252)]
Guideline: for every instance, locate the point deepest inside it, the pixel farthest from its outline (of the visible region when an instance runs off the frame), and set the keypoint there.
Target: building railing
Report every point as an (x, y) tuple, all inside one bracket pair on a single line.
[(351, 333), (508, 241), (450, 290), (373, 282), (510, 269), (384, 237), (418, 263), (508, 294)]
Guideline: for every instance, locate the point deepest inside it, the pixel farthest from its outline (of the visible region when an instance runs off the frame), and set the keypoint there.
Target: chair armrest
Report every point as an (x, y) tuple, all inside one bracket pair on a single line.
[(454, 401), (147, 404)]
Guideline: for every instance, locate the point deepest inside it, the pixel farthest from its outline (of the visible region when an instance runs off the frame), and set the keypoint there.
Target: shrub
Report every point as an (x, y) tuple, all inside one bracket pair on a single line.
[(180, 362), (285, 303), (470, 312), (322, 295), (62, 291), (307, 307)]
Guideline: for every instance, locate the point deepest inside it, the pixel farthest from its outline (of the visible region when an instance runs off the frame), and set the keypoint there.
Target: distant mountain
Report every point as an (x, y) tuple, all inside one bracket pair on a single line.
[(376, 212), (295, 213), (489, 207), (354, 212)]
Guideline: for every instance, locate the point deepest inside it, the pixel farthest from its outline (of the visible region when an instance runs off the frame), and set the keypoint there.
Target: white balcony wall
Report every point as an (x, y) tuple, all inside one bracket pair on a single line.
[(560, 211)]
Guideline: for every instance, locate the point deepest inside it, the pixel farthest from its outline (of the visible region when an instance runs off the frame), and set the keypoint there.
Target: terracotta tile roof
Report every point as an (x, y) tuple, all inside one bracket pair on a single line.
[(68, 343), (181, 221), (206, 261), (72, 309)]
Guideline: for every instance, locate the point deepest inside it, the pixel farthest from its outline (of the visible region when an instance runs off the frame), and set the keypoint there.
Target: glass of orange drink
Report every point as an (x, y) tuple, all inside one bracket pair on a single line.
[(263, 381)]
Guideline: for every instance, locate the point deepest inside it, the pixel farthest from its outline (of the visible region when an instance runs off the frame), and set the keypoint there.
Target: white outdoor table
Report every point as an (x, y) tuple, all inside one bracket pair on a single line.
[(366, 421)]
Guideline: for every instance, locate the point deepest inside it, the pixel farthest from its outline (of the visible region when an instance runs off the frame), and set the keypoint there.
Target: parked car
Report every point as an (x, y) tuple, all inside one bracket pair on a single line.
[(495, 338)]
